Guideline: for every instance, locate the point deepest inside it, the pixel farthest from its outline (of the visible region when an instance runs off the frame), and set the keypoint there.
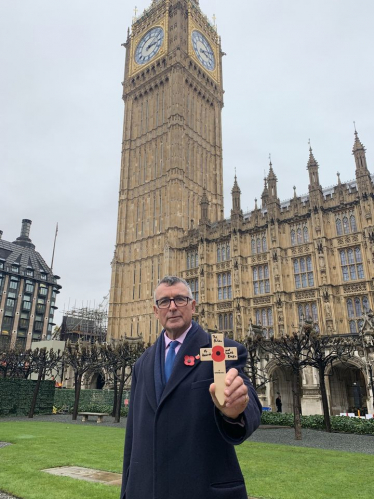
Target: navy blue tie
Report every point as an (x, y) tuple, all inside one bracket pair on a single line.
[(170, 357)]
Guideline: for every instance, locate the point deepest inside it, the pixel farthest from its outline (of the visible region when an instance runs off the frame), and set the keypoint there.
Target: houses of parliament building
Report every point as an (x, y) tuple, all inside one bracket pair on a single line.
[(310, 256)]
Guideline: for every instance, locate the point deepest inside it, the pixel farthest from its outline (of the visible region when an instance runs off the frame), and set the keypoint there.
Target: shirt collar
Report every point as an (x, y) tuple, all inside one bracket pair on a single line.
[(181, 338)]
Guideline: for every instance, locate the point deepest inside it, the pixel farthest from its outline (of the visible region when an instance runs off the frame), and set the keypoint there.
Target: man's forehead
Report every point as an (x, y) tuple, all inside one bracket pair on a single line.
[(170, 291)]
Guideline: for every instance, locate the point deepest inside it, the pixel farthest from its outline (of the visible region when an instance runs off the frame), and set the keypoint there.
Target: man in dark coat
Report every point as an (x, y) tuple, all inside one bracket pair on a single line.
[(179, 439)]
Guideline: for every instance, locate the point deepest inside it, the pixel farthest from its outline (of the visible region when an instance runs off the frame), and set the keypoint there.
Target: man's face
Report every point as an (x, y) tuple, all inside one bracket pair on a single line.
[(175, 320)]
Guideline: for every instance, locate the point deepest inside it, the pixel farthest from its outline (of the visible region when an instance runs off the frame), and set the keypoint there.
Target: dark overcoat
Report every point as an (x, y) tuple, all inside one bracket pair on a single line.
[(178, 445)]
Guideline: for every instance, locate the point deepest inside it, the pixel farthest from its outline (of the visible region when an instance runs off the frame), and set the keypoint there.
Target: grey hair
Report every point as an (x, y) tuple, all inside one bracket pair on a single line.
[(170, 280)]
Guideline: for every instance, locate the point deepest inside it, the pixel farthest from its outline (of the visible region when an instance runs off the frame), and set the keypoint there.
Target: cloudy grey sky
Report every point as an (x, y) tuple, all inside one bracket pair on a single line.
[(294, 70)]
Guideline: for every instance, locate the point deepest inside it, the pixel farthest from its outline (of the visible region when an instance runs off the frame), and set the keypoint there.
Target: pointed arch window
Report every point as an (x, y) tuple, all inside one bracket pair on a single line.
[(293, 238), (339, 230), (223, 252), (299, 234), (351, 264), (192, 259), (356, 307), (253, 246), (258, 245), (261, 283), (303, 272), (264, 245), (352, 219), (345, 225), (309, 311), (224, 286)]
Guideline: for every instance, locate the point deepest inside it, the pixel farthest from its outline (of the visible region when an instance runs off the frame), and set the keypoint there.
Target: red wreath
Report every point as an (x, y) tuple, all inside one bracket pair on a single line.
[(218, 354)]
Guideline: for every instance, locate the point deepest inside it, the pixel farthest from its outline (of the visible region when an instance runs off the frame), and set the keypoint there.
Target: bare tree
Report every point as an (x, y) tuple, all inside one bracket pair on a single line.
[(83, 358), (44, 362), (291, 351), (255, 373), (120, 360), (15, 363), (323, 351)]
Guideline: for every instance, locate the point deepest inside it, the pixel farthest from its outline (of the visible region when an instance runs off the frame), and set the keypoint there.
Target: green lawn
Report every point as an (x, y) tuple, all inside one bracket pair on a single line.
[(271, 471)]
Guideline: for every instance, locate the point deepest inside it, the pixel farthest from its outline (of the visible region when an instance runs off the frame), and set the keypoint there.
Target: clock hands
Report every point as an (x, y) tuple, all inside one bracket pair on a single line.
[(206, 52), (151, 44)]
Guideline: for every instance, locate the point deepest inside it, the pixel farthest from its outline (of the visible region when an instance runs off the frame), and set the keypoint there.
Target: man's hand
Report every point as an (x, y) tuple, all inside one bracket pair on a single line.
[(236, 395)]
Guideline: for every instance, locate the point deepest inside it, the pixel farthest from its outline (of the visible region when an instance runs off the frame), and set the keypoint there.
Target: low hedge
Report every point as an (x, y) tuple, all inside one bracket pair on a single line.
[(340, 424)]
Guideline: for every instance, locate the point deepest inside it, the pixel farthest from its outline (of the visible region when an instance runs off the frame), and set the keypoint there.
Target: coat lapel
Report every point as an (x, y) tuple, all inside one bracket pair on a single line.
[(190, 347), (149, 380)]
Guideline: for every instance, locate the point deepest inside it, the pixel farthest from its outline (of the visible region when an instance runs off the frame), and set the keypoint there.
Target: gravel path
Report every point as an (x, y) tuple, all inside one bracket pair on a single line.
[(363, 444)]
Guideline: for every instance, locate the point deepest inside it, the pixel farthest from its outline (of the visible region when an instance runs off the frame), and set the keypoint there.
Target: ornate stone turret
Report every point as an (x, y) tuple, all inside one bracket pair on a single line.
[(272, 183), (315, 189), (235, 193), (204, 208), (364, 182), (265, 195)]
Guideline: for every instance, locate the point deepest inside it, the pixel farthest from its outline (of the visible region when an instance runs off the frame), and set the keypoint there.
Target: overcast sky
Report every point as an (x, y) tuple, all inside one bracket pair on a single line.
[(294, 70)]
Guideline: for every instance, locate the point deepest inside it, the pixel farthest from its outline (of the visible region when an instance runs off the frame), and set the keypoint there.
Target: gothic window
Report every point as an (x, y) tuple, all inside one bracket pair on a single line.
[(261, 283), (192, 259), (351, 263), (264, 317), (259, 244), (345, 224), (223, 252), (194, 285), (224, 286), (308, 311), (293, 238), (299, 234), (339, 230), (352, 220), (356, 307), (303, 272), (225, 322)]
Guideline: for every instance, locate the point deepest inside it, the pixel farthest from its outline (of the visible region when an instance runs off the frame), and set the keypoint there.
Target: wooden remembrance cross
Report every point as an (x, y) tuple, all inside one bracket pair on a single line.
[(218, 354)]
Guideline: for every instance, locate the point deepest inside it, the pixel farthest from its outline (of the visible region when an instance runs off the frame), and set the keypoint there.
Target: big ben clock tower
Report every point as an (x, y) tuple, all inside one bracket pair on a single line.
[(171, 154)]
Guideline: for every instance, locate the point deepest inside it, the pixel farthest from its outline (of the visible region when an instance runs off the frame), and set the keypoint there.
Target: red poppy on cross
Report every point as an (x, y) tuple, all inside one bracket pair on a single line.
[(218, 354)]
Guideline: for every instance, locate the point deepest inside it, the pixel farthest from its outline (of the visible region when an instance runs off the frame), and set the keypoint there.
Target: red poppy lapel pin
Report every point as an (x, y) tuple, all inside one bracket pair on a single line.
[(189, 360)]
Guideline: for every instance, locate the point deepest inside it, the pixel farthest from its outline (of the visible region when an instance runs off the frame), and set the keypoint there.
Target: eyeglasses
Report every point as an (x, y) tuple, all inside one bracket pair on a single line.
[(179, 301)]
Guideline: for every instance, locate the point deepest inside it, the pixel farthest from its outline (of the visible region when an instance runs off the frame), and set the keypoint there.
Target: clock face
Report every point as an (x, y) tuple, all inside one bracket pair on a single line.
[(203, 50), (149, 45)]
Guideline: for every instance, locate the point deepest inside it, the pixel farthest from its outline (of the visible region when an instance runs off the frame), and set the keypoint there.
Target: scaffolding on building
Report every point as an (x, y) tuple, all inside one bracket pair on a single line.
[(85, 324)]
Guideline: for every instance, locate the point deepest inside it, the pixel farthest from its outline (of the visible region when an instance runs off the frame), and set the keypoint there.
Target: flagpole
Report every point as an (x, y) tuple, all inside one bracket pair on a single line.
[(54, 246)]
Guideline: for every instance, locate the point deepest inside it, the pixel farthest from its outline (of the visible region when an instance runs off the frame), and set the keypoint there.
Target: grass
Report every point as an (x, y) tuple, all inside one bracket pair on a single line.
[(271, 471)]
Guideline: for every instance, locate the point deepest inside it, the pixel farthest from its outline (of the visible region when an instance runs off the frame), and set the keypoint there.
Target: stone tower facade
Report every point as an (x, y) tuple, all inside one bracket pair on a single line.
[(309, 257), (171, 153)]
